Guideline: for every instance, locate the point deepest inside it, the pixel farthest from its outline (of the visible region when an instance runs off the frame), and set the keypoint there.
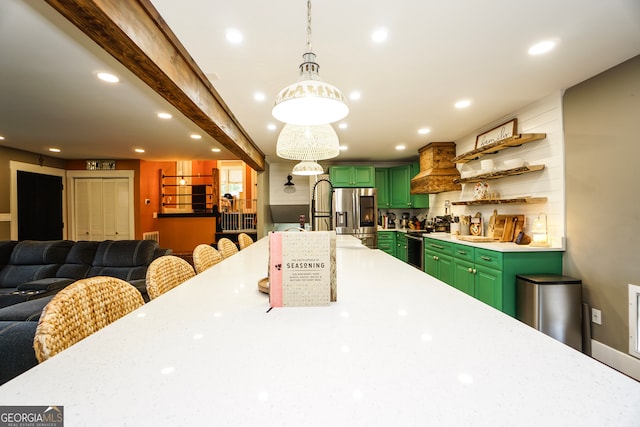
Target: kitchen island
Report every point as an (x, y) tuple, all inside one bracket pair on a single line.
[(398, 348)]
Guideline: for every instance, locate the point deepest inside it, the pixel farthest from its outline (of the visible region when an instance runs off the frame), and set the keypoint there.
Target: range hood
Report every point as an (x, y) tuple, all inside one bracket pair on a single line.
[(437, 171)]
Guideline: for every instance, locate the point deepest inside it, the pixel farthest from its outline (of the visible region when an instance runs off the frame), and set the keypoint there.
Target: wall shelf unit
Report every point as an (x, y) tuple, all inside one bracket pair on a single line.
[(513, 141), (512, 201), (499, 174)]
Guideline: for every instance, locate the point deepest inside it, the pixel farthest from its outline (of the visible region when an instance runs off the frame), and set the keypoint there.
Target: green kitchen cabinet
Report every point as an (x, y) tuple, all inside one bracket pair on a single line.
[(382, 188), (438, 260), (488, 275), (352, 176), (387, 242), (400, 188), (401, 247)]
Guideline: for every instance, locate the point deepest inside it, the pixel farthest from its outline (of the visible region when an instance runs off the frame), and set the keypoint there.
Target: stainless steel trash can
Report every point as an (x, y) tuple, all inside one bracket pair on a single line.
[(552, 304)]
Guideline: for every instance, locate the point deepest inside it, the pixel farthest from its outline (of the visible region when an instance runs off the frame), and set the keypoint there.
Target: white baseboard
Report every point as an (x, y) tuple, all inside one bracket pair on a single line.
[(618, 360)]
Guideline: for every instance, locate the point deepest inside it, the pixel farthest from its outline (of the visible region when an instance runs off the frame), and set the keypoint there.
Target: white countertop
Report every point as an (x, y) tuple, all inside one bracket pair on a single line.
[(494, 246), (398, 348)]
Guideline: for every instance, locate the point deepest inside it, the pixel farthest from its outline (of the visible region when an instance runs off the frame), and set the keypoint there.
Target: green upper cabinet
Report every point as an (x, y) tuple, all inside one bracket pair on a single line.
[(400, 188), (382, 188), (352, 176)]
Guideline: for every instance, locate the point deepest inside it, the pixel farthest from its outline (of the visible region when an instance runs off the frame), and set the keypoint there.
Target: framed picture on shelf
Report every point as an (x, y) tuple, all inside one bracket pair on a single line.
[(498, 133)]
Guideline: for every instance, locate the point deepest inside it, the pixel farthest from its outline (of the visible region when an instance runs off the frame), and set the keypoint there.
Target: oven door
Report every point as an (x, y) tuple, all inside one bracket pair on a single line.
[(414, 251)]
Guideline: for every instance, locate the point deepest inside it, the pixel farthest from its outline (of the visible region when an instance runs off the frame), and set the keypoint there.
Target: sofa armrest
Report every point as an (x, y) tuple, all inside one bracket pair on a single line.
[(48, 284)]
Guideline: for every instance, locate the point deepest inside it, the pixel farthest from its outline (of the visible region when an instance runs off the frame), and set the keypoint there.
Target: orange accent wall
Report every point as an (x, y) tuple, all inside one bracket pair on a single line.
[(178, 234)]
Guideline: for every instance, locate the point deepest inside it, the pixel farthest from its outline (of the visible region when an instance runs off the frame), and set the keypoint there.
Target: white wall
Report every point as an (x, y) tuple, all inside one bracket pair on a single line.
[(279, 194), (543, 116)]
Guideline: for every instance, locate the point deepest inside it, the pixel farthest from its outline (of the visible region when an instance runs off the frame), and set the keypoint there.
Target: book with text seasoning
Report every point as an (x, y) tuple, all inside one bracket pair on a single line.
[(302, 268)]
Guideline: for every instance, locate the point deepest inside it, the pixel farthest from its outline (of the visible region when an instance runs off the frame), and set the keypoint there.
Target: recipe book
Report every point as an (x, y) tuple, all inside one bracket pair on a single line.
[(302, 268)]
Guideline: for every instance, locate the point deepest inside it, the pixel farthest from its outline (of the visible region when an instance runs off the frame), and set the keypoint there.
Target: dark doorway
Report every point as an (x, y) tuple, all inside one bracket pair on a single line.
[(39, 206)]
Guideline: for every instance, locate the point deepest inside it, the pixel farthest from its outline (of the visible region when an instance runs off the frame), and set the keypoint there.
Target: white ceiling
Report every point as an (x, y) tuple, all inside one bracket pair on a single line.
[(436, 54)]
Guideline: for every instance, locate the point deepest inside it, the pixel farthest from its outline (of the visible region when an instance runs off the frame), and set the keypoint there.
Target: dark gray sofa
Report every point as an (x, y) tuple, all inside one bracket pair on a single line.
[(36, 269), (31, 276)]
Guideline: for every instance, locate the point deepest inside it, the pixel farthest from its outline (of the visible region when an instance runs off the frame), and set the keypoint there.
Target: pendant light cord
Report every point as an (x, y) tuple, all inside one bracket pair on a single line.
[(309, 26)]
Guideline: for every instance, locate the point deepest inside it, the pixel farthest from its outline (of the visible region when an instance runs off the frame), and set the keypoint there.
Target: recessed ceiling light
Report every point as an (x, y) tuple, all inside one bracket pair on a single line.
[(54, 150), (271, 126), (542, 47), (355, 95), (233, 36), (464, 103), (343, 148), (195, 136), (216, 150), (400, 147), (164, 115), (380, 35), (259, 96), (107, 77), (424, 131), (1, 137), (139, 150), (343, 125)]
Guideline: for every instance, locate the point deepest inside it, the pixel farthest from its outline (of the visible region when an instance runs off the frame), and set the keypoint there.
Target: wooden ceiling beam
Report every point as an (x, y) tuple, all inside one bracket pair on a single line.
[(135, 34)]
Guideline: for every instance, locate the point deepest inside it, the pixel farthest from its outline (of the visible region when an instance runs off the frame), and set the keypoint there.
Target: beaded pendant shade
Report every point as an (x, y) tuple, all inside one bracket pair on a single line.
[(307, 168), (307, 143), (309, 101)]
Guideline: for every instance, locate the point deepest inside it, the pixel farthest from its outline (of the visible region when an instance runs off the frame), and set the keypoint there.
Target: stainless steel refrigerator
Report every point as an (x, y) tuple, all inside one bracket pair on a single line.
[(355, 212)]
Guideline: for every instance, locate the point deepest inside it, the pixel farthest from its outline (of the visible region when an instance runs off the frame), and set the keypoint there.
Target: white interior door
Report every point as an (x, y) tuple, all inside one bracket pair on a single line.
[(102, 208)]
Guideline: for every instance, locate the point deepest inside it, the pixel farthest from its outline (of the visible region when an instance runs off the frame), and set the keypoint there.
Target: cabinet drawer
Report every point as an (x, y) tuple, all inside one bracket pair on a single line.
[(386, 236), (488, 258), (463, 252), (438, 246)]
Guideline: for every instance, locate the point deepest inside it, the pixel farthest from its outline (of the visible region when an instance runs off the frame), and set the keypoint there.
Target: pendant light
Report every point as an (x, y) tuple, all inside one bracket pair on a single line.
[(309, 101), (310, 143), (307, 168)]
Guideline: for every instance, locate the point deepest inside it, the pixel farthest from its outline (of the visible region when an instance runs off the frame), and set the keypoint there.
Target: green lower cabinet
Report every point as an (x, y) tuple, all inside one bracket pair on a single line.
[(387, 242), (401, 247), (487, 275), (439, 266)]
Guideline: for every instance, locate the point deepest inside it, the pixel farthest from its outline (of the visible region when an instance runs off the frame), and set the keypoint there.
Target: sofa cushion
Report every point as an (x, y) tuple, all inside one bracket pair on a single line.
[(34, 260), (125, 253), (6, 247), (25, 311), (34, 252), (16, 349), (79, 260)]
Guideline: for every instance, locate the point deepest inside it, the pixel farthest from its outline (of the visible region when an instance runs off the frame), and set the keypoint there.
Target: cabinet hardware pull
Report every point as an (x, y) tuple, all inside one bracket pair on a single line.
[(470, 270), (435, 257), (474, 271), (437, 246), (462, 252), (486, 258)]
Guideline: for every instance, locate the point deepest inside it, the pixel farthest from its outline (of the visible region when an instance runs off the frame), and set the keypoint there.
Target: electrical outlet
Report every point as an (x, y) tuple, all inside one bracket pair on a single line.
[(596, 316)]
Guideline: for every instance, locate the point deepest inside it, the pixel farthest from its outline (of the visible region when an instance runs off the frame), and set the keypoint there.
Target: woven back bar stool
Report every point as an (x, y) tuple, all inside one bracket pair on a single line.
[(205, 256), (227, 247), (81, 309), (244, 240), (165, 273)]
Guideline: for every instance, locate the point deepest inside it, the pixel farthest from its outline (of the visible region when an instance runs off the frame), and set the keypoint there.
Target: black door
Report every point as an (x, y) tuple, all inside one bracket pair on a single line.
[(39, 206)]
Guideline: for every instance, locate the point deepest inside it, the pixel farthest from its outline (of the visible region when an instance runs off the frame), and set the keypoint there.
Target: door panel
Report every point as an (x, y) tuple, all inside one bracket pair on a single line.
[(39, 206)]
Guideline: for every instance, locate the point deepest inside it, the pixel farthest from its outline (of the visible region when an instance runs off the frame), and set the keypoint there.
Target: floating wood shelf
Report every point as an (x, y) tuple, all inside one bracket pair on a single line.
[(517, 200), (499, 174), (503, 144)]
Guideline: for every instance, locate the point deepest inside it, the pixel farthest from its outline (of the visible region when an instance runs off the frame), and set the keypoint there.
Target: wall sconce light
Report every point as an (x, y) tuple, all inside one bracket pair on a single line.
[(539, 232), (289, 178), (183, 181)]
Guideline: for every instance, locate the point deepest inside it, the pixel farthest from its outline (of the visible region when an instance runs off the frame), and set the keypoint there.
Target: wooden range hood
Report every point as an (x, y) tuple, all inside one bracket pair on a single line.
[(437, 171)]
